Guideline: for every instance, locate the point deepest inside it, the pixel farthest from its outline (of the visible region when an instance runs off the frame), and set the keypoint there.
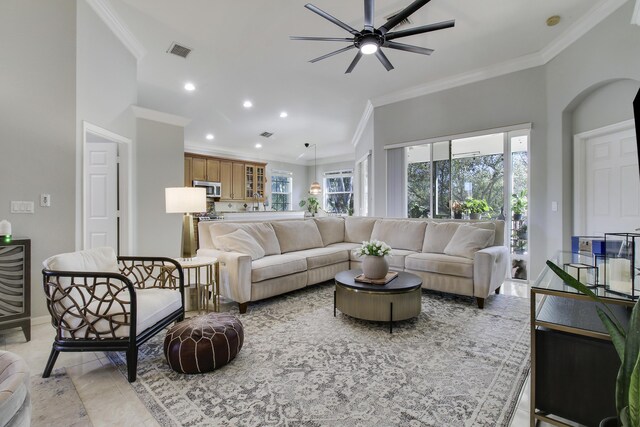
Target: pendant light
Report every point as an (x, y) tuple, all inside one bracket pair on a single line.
[(315, 188)]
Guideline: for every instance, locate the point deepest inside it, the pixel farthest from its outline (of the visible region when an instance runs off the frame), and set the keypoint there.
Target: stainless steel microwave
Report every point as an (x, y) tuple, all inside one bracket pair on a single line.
[(214, 189)]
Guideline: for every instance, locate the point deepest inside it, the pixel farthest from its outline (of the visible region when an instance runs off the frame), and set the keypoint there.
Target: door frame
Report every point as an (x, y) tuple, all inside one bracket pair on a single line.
[(579, 159), (125, 161)]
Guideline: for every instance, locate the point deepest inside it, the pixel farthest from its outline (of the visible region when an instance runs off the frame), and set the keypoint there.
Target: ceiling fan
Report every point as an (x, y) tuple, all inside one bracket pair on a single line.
[(371, 39)]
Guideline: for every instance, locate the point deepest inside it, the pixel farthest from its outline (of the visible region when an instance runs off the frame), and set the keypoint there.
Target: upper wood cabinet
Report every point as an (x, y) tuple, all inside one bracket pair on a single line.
[(239, 180), (254, 181)]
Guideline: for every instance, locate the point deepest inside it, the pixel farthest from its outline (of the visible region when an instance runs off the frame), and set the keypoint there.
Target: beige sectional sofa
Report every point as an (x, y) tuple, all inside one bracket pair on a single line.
[(267, 258)]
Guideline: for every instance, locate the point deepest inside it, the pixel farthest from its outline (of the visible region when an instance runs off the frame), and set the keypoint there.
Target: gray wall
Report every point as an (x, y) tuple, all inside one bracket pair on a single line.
[(609, 52), (300, 180), (502, 101), (608, 104), (160, 164), (37, 126), (555, 98)]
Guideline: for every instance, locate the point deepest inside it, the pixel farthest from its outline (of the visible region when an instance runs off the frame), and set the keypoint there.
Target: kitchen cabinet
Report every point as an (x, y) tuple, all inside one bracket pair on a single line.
[(232, 180), (201, 168), (188, 163), (254, 181)]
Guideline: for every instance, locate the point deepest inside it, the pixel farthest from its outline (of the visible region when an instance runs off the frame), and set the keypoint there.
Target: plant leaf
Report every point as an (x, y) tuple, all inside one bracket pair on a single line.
[(631, 351), (624, 417), (617, 336), (634, 396), (575, 284)]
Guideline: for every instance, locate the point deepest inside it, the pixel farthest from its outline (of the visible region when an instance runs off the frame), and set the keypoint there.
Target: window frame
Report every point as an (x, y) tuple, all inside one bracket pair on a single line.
[(274, 179), (341, 173)]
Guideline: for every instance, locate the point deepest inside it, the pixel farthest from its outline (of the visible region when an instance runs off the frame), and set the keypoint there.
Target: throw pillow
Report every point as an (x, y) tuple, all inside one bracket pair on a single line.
[(437, 236), (240, 241), (467, 240)]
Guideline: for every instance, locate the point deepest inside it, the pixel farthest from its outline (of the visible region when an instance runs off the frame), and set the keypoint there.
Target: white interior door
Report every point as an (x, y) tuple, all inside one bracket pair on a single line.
[(101, 195), (612, 190)]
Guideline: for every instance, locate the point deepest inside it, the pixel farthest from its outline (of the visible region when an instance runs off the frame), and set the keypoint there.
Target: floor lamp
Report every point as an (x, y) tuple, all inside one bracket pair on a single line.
[(186, 200)]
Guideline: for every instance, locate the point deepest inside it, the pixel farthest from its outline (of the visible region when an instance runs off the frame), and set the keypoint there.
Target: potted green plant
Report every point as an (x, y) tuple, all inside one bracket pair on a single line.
[(627, 345), (311, 203), (476, 207), (519, 204), (458, 208)]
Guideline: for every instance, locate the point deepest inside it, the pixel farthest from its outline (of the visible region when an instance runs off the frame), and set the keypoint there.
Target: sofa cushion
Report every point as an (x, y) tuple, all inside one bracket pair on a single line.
[(240, 241), (358, 229), (331, 229), (262, 232), (400, 234), (438, 234), (347, 246), (98, 259), (468, 240), (440, 263), (297, 235), (397, 258), (273, 266), (320, 257)]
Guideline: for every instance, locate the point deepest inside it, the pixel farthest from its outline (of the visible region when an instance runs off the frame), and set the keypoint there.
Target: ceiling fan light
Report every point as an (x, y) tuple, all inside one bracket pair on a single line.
[(315, 188), (369, 48)]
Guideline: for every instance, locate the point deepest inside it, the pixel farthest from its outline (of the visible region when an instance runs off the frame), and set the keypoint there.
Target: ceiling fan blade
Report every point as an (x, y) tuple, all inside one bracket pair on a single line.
[(344, 49), (402, 15), (385, 61), (321, 39), (354, 63), (408, 48), (419, 30), (368, 14), (328, 17)]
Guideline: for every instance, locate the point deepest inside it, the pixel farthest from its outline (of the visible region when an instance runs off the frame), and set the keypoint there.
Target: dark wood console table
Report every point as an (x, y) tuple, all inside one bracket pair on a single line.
[(15, 285), (573, 362)]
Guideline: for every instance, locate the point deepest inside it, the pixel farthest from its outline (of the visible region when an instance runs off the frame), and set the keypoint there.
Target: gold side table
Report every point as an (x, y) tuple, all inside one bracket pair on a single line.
[(203, 273)]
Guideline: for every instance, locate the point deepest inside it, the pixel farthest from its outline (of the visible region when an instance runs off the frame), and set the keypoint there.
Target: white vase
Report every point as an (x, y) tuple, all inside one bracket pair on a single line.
[(375, 267)]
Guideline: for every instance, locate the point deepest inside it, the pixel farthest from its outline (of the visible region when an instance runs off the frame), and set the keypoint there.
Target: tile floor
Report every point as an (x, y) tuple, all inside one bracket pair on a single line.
[(108, 397)]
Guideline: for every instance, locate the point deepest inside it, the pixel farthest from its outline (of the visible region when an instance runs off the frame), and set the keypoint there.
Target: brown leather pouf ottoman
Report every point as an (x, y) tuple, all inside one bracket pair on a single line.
[(203, 343)]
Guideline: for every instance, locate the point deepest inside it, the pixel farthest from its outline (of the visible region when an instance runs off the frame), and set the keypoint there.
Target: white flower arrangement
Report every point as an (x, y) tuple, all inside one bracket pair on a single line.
[(373, 247)]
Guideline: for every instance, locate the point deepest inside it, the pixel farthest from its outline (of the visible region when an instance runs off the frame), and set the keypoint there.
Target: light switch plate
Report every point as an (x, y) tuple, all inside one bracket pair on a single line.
[(45, 200), (22, 207), (554, 206)]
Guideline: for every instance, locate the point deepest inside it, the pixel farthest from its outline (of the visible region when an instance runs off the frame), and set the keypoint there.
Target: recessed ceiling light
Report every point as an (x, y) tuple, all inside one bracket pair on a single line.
[(247, 104), (209, 136), (258, 145), (283, 114), (553, 20), (189, 86)]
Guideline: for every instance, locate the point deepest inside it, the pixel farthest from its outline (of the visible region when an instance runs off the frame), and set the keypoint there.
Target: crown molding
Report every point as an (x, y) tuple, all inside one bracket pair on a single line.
[(197, 148), (596, 15), (104, 10), (362, 124), (159, 116), (584, 24), (635, 18)]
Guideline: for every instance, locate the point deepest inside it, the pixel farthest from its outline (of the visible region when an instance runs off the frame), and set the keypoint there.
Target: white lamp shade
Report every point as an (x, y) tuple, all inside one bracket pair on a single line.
[(185, 199), (315, 188)]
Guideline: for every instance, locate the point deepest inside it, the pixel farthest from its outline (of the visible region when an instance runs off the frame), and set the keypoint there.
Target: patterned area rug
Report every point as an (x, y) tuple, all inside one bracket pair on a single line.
[(55, 402), (454, 365)]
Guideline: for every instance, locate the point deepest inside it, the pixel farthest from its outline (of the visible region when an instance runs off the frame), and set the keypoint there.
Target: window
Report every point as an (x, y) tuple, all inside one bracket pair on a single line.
[(338, 194), (281, 188)]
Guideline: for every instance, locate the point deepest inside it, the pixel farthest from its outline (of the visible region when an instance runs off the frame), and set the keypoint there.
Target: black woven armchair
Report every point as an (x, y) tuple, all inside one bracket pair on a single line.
[(100, 302)]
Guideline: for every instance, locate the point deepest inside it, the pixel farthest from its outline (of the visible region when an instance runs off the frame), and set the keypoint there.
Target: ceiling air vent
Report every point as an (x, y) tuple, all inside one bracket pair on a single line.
[(402, 23), (266, 134), (179, 50)]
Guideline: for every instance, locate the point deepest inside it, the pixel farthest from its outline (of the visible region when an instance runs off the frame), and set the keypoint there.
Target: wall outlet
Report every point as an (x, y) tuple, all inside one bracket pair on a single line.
[(22, 207), (45, 200)]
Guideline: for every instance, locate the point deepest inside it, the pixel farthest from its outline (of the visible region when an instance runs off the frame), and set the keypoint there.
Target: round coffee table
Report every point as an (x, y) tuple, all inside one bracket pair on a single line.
[(400, 299)]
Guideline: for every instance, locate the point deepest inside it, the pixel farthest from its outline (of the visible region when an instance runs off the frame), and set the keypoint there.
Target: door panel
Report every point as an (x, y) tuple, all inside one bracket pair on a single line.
[(612, 193), (199, 169), (213, 170), (101, 192), (226, 177)]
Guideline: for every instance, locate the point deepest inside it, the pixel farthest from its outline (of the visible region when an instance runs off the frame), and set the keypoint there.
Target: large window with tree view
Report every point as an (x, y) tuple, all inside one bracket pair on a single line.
[(483, 176), (338, 191)]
